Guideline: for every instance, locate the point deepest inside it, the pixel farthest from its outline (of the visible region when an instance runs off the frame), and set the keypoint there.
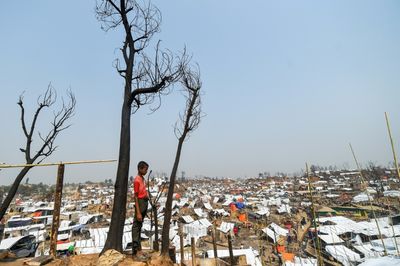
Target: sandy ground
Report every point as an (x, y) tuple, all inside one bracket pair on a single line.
[(91, 259)]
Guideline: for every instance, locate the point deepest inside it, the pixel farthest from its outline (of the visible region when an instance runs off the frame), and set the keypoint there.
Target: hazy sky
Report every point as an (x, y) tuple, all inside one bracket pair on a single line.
[(284, 82)]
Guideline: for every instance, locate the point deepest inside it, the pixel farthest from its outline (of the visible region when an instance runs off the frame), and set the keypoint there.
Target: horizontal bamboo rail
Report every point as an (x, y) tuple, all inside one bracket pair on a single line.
[(52, 164)]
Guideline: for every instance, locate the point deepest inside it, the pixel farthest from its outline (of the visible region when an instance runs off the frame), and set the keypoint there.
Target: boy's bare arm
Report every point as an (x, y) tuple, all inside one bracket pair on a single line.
[(137, 208)]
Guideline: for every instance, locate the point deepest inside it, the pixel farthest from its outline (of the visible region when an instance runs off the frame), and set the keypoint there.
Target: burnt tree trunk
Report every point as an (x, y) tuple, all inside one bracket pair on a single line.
[(13, 190), (156, 245), (168, 204), (115, 233)]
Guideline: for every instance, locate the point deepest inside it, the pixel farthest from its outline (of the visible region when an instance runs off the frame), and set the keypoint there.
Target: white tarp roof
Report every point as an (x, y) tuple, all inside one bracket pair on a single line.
[(251, 255), (342, 225), (208, 206), (331, 238), (263, 210), (370, 228), (391, 193), (362, 197), (392, 261), (8, 242), (389, 244), (226, 227), (342, 254), (270, 233), (188, 219), (284, 208), (222, 212), (176, 242), (298, 261), (279, 230), (182, 202), (216, 199), (369, 251), (205, 222), (86, 218), (195, 229), (199, 212)]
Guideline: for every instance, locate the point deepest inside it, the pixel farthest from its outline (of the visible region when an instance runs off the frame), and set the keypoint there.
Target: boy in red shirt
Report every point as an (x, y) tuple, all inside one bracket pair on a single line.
[(141, 203)]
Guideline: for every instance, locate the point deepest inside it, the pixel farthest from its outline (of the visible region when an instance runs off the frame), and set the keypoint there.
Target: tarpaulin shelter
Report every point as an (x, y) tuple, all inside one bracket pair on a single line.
[(239, 205), (242, 217)]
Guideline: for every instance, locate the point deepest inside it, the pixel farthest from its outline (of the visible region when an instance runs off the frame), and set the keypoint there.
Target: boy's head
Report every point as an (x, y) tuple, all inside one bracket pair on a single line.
[(142, 168)]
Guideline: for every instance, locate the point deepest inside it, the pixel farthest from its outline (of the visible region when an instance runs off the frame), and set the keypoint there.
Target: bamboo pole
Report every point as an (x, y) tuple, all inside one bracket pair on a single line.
[(397, 169), (193, 244), (230, 249), (392, 144), (56, 212), (182, 251), (214, 244), (53, 164), (318, 246), (369, 199)]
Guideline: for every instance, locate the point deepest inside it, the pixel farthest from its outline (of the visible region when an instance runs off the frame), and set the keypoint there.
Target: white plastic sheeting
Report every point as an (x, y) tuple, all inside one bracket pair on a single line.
[(330, 238), (208, 206), (252, 256), (205, 222), (342, 225), (384, 261), (195, 229), (284, 208), (298, 261), (188, 219), (362, 197), (391, 193), (263, 210), (369, 251), (279, 230), (200, 213), (390, 245), (226, 227), (222, 212), (270, 233), (342, 254), (370, 228)]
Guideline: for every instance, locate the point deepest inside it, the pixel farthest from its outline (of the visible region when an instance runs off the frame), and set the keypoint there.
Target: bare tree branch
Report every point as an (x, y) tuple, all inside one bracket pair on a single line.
[(189, 122), (146, 78), (44, 101)]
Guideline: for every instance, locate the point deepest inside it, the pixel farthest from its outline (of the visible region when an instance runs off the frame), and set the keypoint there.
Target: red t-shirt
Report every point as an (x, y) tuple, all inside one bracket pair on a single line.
[(139, 187)]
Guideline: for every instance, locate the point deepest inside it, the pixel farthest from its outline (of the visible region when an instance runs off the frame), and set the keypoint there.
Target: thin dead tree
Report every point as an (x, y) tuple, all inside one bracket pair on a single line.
[(47, 147), (146, 78), (187, 124), (153, 201)]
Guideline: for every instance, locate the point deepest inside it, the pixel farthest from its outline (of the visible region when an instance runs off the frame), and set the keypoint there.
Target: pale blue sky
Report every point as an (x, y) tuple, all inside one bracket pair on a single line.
[(284, 82)]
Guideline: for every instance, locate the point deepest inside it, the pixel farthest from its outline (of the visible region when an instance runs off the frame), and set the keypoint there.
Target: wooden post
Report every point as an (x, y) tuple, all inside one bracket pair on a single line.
[(230, 248), (56, 212), (172, 253), (214, 244), (181, 244), (193, 244)]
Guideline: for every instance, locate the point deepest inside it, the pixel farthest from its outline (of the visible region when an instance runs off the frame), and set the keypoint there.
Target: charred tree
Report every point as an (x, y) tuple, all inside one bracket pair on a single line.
[(188, 123), (153, 201), (58, 124), (145, 79)]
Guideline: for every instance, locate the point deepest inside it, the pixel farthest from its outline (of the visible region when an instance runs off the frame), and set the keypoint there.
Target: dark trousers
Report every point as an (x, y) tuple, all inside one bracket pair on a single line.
[(137, 226)]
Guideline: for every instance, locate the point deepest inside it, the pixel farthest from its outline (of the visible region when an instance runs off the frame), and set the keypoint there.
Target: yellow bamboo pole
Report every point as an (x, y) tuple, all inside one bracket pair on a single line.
[(318, 247), (397, 168), (392, 144), (369, 199), (52, 164)]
